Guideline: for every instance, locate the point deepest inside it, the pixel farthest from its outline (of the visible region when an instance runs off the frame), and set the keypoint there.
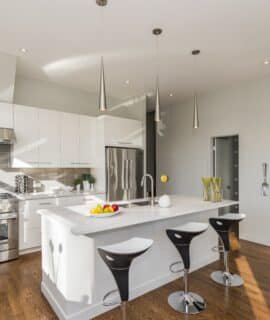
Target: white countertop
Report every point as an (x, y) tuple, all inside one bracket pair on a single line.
[(81, 224), (61, 194)]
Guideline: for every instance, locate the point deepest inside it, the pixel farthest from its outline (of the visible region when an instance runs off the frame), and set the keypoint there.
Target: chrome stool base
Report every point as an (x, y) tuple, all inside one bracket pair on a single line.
[(227, 279), (189, 303)]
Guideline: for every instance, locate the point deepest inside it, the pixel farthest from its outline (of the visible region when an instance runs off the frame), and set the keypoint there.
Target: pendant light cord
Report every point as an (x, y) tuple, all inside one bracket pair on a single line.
[(157, 60), (101, 30), (194, 75), (195, 53)]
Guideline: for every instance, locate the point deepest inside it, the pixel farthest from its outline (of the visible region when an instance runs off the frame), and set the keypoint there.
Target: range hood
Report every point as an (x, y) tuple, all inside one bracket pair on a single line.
[(7, 136)]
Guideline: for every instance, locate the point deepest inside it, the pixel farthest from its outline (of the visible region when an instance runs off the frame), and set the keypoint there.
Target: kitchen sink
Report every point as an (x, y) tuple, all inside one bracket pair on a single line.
[(137, 204)]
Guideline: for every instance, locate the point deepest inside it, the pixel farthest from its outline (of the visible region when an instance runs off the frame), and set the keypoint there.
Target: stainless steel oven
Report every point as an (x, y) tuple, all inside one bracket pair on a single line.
[(8, 227)]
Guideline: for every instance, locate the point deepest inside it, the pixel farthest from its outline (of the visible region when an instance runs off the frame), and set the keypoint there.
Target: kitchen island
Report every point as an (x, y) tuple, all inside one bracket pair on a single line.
[(75, 279)]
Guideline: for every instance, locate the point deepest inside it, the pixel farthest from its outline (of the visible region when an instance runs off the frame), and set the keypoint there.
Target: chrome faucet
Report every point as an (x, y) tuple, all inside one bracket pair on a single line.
[(152, 200)]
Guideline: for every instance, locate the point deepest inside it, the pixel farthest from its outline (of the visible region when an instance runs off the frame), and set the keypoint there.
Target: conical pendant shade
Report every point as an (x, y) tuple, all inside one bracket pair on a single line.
[(102, 89), (195, 114), (157, 104)]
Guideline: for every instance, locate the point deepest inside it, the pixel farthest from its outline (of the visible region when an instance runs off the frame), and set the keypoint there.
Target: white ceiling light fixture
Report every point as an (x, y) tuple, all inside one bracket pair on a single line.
[(266, 62), (102, 86), (23, 50), (171, 94), (196, 122), (157, 32)]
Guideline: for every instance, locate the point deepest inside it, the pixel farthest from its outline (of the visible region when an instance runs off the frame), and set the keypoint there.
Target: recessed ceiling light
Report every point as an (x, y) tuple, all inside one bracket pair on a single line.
[(171, 94), (127, 81), (266, 61), (23, 50)]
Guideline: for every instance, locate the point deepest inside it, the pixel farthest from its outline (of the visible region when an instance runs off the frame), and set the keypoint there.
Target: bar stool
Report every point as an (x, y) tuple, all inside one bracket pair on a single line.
[(185, 301), (118, 257), (222, 226)]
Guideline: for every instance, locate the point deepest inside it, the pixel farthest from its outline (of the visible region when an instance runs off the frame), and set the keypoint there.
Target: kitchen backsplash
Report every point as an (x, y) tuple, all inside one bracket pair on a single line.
[(44, 179)]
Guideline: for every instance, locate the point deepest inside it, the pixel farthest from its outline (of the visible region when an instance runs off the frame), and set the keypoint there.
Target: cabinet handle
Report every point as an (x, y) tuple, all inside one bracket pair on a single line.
[(45, 203), (80, 162), (124, 142)]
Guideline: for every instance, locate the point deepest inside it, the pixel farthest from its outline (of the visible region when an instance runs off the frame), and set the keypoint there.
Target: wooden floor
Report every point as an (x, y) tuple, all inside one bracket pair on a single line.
[(20, 296)]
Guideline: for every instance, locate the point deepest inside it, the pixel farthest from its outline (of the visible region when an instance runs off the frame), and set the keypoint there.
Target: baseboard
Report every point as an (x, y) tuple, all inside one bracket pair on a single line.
[(250, 239), (27, 251), (96, 309)]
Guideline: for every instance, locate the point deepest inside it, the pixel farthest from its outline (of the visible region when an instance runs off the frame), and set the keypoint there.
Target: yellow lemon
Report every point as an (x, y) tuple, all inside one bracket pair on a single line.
[(99, 210), (164, 178)]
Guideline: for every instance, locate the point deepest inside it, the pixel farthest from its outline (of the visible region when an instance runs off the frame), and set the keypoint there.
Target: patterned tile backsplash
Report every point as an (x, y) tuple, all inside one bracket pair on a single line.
[(44, 179)]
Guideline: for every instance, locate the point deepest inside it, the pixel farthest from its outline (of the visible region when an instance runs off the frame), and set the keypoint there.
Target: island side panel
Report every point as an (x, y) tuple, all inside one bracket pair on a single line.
[(151, 270), (67, 270), (75, 279)]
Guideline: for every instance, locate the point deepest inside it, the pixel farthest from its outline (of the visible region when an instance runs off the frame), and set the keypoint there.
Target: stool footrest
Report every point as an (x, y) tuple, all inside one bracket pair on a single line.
[(113, 303), (227, 279), (219, 249), (175, 264)]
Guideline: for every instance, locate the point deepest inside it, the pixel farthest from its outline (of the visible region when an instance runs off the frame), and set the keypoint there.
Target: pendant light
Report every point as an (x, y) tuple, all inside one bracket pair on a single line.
[(157, 32), (102, 87), (196, 123)]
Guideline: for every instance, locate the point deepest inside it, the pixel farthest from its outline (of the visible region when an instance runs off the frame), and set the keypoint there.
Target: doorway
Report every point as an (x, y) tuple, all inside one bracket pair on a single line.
[(226, 166)]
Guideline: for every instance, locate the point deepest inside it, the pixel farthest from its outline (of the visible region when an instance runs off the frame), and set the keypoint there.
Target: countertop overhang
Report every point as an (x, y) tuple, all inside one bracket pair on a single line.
[(80, 224)]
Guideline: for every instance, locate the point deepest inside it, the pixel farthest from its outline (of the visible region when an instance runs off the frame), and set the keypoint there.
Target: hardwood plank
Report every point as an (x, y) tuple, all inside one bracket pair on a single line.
[(21, 298)]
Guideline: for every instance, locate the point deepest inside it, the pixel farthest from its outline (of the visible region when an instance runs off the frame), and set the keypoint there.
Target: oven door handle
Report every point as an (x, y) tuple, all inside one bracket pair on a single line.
[(7, 220)]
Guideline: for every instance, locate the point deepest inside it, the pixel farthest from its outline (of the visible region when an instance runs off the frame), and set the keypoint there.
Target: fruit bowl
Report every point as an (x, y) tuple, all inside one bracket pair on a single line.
[(104, 215), (104, 211)]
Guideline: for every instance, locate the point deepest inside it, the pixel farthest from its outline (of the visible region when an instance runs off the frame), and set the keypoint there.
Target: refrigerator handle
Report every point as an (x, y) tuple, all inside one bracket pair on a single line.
[(129, 174), (125, 175)]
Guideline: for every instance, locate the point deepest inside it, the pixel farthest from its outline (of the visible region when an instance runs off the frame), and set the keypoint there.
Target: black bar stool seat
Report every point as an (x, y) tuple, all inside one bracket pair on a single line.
[(185, 301), (118, 257), (222, 225)]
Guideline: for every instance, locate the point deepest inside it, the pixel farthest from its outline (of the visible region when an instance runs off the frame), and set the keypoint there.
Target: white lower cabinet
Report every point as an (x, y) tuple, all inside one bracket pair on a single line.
[(30, 222)]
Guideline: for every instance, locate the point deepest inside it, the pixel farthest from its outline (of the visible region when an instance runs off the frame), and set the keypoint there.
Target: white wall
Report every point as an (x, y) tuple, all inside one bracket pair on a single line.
[(184, 154), (49, 95), (7, 77), (42, 94)]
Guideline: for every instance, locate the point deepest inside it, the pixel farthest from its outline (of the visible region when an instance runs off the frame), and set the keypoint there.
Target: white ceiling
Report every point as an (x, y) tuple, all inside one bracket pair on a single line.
[(64, 42)]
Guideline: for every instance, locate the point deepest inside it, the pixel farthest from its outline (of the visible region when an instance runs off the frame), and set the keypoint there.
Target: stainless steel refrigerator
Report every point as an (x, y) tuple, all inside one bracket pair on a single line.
[(124, 171)]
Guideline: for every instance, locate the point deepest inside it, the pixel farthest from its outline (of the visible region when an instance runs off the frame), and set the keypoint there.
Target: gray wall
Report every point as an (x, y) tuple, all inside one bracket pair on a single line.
[(7, 77), (42, 94), (48, 95), (185, 154)]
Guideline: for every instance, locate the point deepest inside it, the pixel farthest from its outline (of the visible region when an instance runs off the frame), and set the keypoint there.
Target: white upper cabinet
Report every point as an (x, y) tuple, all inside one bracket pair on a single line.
[(78, 141), (87, 141), (123, 132), (49, 137), (25, 150), (6, 115), (37, 138), (69, 140)]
